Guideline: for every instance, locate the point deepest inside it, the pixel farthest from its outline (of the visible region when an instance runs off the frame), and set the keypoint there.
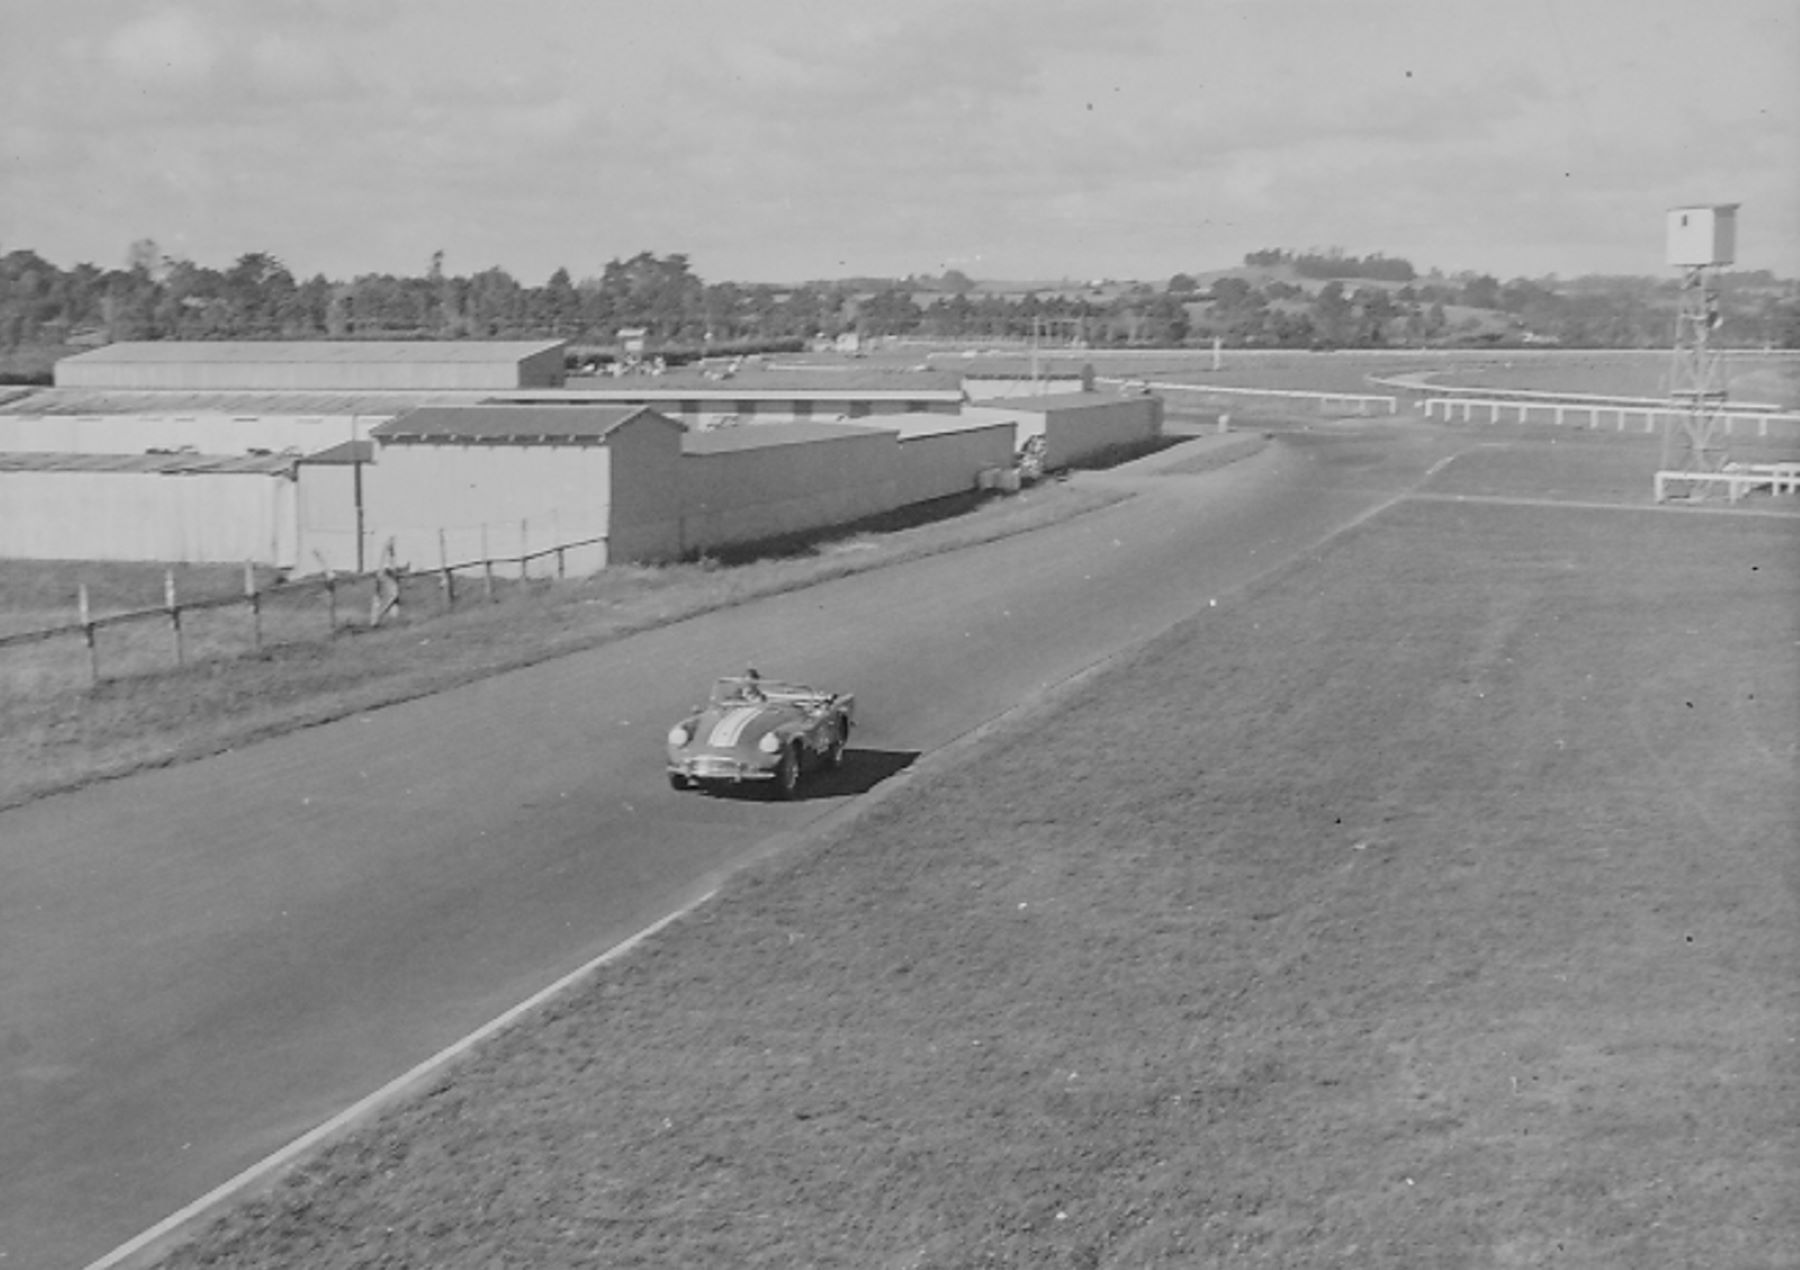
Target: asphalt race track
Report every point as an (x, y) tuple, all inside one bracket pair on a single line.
[(200, 963)]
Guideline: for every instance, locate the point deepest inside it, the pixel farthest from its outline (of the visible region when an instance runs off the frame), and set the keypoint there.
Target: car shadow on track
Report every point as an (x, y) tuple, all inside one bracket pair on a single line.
[(862, 771)]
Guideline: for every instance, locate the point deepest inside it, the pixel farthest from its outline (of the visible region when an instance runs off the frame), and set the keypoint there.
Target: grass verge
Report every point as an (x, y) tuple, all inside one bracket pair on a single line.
[(1432, 904)]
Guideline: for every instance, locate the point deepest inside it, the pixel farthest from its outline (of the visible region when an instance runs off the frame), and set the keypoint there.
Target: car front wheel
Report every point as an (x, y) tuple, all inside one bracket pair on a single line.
[(787, 776)]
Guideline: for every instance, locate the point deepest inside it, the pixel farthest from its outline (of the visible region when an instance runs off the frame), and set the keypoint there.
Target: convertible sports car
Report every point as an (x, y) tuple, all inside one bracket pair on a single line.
[(760, 730)]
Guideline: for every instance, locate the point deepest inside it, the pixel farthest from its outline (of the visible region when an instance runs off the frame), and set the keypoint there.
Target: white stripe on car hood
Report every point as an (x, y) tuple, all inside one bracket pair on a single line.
[(730, 727)]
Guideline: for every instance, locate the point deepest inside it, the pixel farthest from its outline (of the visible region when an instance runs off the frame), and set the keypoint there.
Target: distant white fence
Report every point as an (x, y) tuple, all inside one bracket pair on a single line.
[(1343, 402), (1737, 478), (1598, 414)]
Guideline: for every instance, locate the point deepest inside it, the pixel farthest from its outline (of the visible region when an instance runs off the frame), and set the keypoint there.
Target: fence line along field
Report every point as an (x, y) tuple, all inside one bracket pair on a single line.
[(208, 619), (201, 613)]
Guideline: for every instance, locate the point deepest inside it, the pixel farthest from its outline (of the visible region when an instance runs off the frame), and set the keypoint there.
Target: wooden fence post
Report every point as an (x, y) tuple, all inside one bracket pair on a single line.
[(387, 578), (87, 633), (174, 614), (444, 567), (487, 567), (331, 601), (255, 605)]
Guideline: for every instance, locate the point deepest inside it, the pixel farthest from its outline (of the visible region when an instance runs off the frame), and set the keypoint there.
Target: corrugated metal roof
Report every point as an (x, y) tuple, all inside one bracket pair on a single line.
[(344, 454), (118, 401), (757, 436), (159, 464), (758, 384), (512, 423), (203, 352)]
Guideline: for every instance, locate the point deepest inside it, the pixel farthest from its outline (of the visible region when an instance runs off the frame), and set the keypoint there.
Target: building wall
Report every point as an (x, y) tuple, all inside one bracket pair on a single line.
[(192, 518), (1075, 428), (236, 366), (487, 500), (646, 490), (325, 499), (751, 494), (543, 369), (938, 464), (1001, 388), (204, 433)]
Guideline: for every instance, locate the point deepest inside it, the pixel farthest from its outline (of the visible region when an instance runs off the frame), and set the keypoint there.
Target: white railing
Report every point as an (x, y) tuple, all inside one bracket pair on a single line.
[(1737, 478), (1349, 402), (1593, 414)]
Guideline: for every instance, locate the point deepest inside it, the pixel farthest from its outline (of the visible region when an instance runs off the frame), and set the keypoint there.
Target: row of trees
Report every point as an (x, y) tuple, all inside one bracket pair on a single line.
[(1277, 302), (155, 297), (1274, 305), (1334, 263)]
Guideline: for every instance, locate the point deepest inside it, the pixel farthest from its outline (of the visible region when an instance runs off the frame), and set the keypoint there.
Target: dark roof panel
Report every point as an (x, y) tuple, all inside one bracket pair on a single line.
[(343, 454)]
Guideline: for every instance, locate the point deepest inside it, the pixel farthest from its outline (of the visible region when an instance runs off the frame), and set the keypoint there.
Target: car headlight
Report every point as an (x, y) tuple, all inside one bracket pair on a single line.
[(679, 735), (770, 743)]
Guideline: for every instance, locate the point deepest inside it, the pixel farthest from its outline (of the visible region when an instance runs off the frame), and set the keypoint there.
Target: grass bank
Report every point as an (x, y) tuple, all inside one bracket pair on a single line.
[(1434, 903)]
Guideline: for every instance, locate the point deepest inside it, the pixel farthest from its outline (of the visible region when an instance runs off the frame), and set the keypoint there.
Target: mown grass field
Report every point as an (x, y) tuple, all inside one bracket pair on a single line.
[(1433, 903)]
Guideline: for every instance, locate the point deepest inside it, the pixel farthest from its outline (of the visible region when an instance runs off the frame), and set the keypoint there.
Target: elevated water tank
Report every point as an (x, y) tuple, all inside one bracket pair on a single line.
[(1703, 235)]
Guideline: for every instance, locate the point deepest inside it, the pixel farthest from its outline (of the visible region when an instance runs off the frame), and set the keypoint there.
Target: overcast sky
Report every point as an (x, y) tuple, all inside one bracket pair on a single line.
[(777, 140)]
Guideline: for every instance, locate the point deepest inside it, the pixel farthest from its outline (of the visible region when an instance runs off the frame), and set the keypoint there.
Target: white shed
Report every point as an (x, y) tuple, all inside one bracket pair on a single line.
[(1703, 235), (468, 482)]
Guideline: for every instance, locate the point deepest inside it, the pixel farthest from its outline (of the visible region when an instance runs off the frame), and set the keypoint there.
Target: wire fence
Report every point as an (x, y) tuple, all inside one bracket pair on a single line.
[(181, 631)]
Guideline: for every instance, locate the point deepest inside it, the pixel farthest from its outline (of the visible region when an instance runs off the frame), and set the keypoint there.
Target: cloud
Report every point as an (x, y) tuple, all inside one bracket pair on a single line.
[(168, 49)]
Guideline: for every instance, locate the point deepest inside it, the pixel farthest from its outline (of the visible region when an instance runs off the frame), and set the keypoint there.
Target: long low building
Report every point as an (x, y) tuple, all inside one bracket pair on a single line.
[(188, 508), (136, 421), (311, 365), (709, 398), (644, 467), (455, 484)]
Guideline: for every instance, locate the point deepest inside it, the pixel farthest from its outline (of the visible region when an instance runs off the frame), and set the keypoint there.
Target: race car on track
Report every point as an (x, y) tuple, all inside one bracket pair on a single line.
[(756, 730)]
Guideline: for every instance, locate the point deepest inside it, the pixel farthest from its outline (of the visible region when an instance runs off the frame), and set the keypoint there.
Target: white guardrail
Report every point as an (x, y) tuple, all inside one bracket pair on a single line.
[(1597, 414), (1738, 479), (1348, 402)]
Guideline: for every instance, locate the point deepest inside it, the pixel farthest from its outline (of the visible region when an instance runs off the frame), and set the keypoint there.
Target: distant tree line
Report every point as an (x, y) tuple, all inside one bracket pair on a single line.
[(1290, 299), (1381, 300), (1333, 263)]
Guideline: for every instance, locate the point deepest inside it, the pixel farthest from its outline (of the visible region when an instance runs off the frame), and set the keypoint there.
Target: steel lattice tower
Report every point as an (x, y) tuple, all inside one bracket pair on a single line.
[(1697, 382), (1700, 240)]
